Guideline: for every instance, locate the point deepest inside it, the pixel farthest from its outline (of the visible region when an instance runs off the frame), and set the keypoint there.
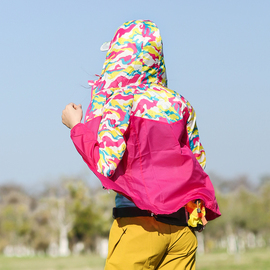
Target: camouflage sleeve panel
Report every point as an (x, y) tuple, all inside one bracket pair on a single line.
[(193, 137)]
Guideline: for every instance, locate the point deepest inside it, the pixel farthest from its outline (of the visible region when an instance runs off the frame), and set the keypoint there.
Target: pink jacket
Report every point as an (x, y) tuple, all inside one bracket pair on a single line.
[(139, 137)]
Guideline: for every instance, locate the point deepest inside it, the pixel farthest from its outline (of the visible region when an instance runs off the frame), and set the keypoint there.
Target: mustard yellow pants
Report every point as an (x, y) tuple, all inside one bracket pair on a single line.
[(139, 243)]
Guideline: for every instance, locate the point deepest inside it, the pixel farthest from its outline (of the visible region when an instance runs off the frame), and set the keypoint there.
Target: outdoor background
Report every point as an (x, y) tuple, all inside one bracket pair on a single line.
[(217, 55)]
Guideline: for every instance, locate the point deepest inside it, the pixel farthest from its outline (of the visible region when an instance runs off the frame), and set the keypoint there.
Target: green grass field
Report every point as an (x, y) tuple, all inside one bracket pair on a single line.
[(48, 263), (251, 260), (258, 259)]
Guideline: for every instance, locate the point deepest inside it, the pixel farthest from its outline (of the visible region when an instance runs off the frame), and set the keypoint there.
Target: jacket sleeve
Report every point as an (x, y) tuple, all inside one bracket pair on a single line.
[(102, 148), (193, 139)]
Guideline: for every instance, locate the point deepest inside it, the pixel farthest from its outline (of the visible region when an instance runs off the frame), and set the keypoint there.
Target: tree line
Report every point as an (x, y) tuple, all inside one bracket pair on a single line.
[(245, 220), (71, 216), (55, 221)]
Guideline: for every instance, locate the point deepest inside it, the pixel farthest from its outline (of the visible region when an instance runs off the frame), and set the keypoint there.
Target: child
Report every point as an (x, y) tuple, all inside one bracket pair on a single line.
[(141, 140)]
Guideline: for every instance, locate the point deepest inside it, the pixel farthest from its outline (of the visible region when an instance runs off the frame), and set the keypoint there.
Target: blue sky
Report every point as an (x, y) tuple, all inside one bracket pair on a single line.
[(216, 53)]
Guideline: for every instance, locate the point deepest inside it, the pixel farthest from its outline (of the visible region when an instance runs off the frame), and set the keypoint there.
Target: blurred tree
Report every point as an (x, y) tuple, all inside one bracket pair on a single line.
[(91, 210), (15, 217), (264, 207)]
